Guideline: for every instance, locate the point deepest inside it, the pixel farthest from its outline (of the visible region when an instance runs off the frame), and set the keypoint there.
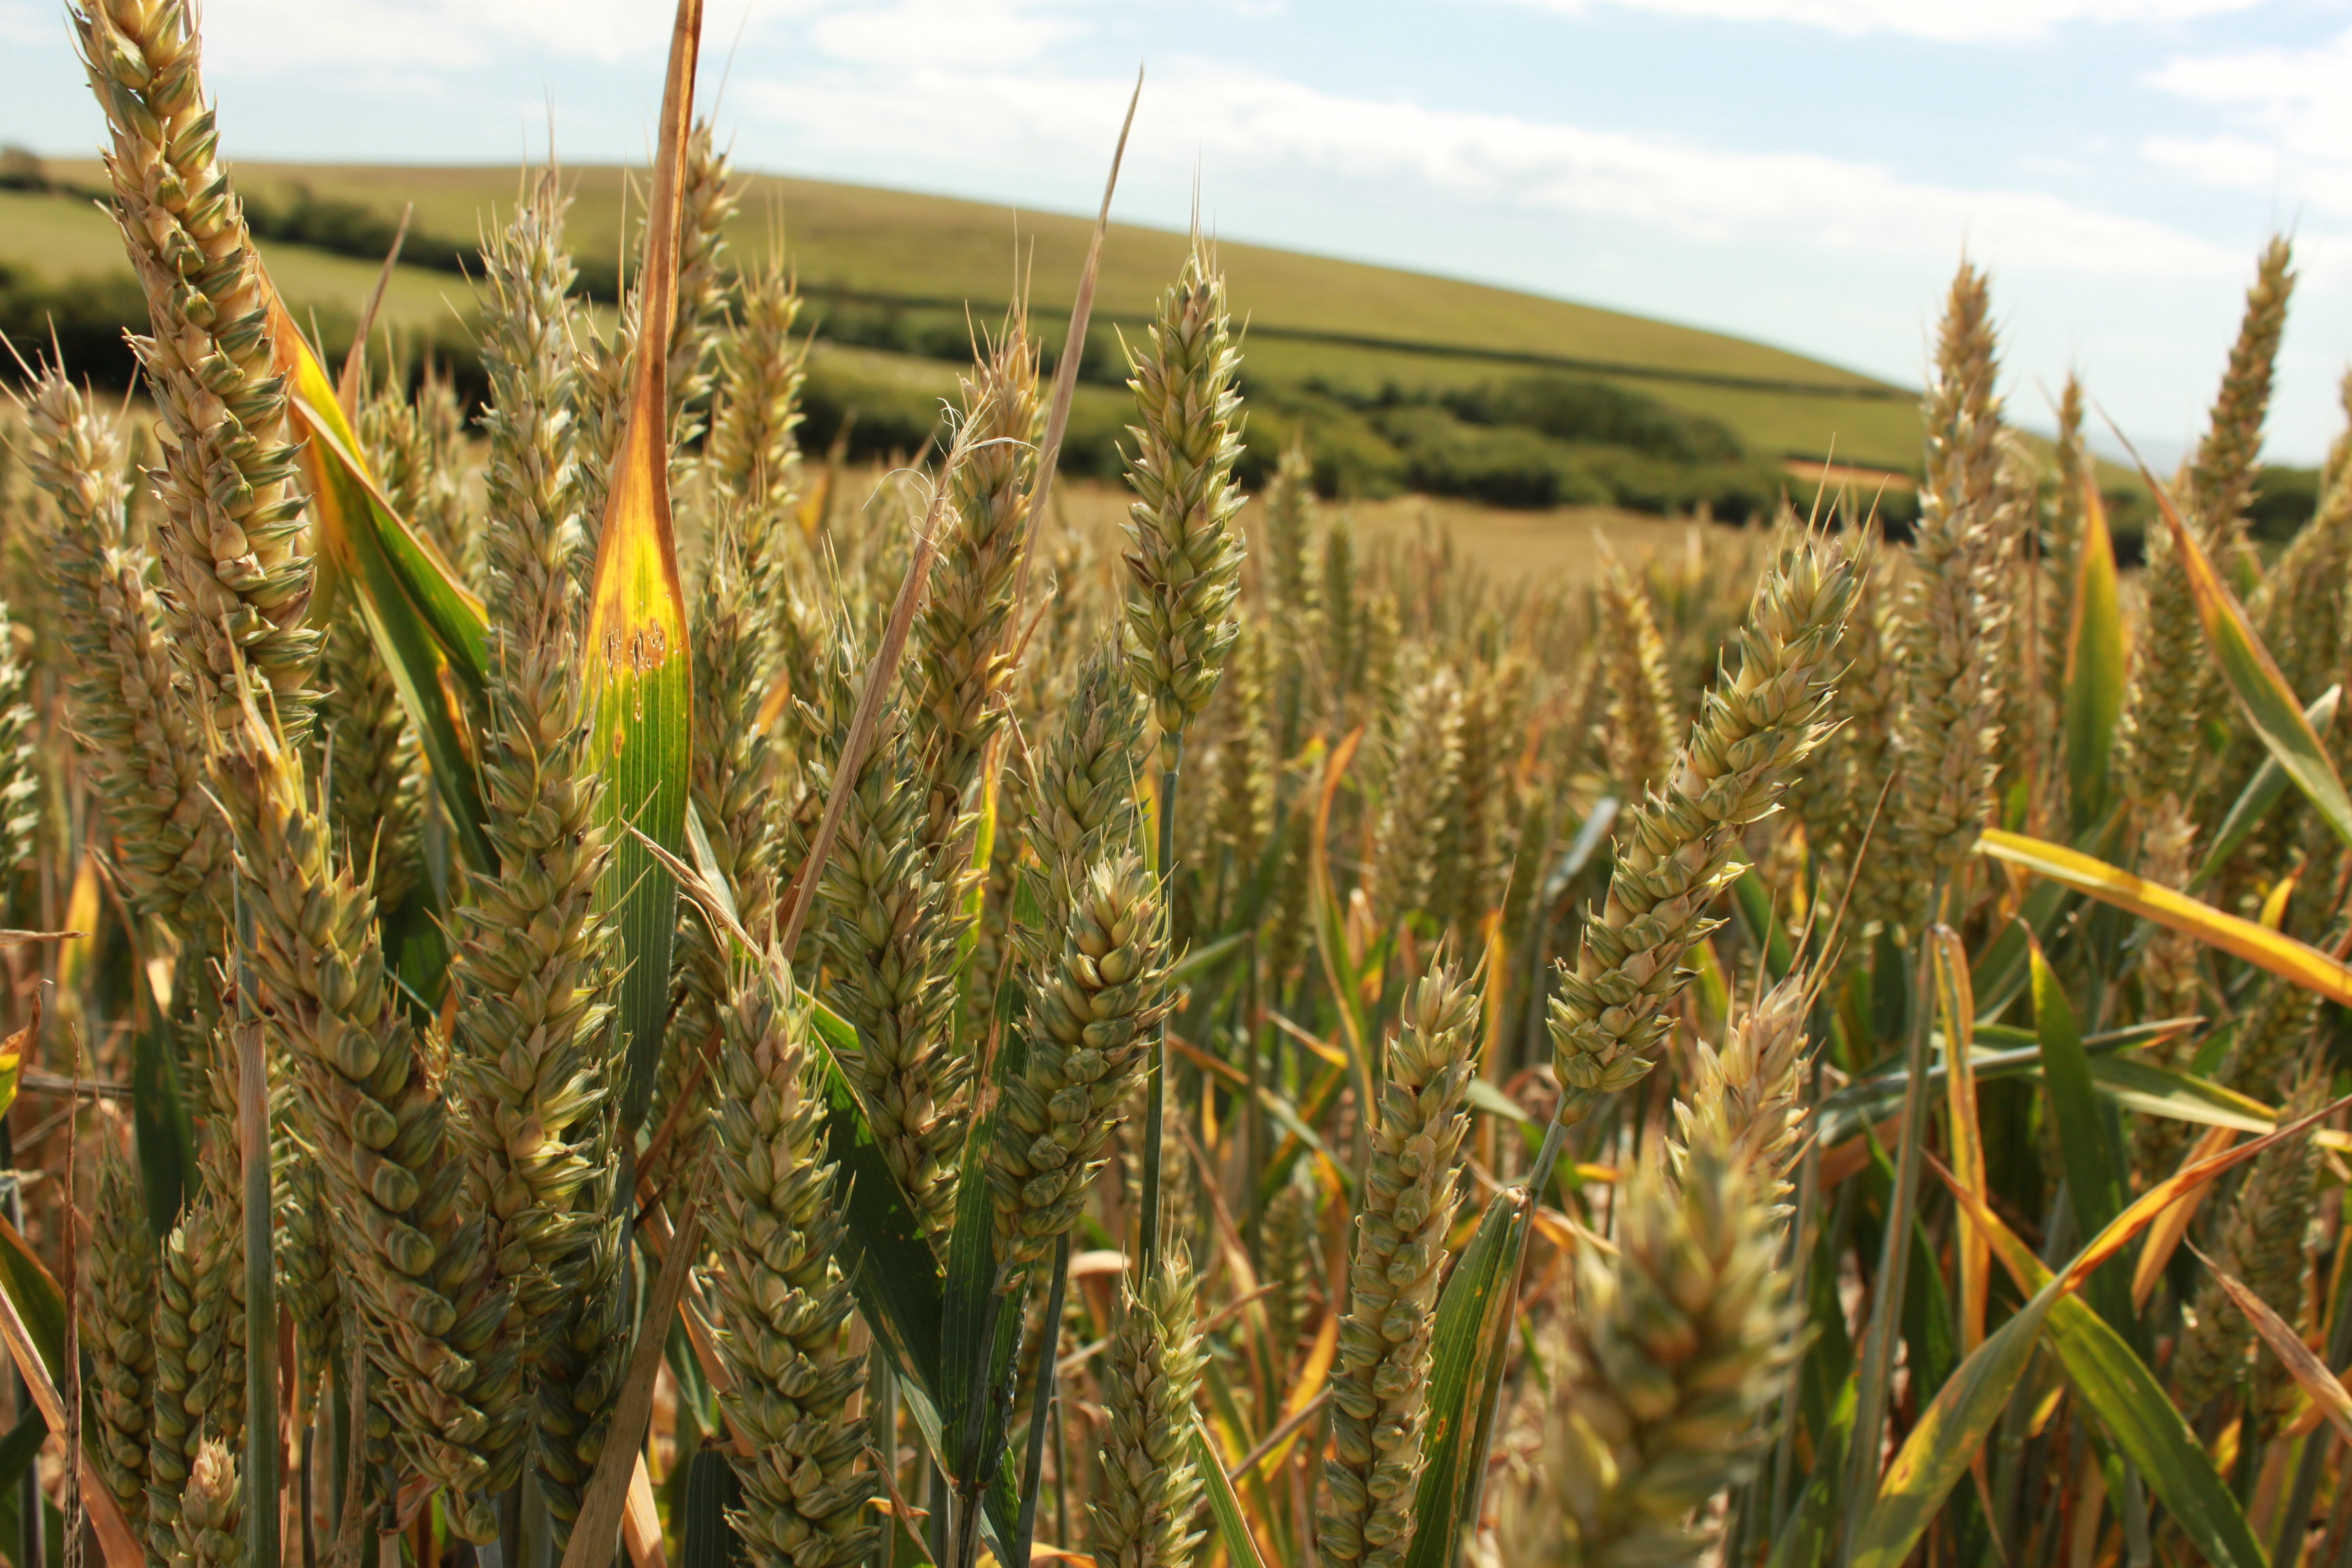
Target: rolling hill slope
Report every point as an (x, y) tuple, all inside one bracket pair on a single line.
[(865, 254)]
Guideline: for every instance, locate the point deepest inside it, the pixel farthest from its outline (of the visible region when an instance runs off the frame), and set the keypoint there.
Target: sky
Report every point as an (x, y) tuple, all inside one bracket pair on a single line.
[(1807, 172)]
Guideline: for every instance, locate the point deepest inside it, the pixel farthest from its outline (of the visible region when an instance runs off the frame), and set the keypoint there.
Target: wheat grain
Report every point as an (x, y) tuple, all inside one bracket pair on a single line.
[(964, 657), (238, 583), (1955, 610), (1673, 1351), (119, 1329), (1184, 555), (1757, 726), (1091, 1012), (888, 938), (133, 723), (806, 1480), (1638, 738), (2261, 1243), (1380, 1382), (1424, 758), (1142, 1514), (210, 1531), (421, 1262)]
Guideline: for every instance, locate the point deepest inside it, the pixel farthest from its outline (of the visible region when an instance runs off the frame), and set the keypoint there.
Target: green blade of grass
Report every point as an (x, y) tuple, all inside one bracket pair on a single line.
[(2262, 793), (452, 615), (2149, 1430), (705, 1539), (2094, 688), (2262, 693), (1224, 1507), (1945, 1439), (2294, 961), (40, 1305), (434, 687), (2098, 1177), (1804, 1541), (980, 1331), (1867, 1101), (2000, 972), (2153, 1091), (1468, 1346), (165, 1135), (890, 1264), (635, 666)]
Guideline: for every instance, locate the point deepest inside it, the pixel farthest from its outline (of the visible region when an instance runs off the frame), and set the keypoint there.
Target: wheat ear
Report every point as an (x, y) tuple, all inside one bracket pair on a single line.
[(1380, 1384), (1757, 725), (806, 1478), (238, 583), (119, 1329), (1091, 1012), (129, 715), (1143, 1511)]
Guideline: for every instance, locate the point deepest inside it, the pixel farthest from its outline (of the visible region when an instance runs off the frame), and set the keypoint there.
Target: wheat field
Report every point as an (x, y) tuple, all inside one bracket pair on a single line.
[(589, 979)]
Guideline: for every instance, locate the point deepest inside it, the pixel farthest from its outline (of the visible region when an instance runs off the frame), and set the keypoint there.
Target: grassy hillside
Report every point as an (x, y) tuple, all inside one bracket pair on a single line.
[(941, 252)]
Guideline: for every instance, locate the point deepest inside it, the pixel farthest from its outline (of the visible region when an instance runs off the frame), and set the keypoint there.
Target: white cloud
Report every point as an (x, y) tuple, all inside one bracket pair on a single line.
[(1942, 21), (940, 32), (245, 37), (23, 23), (1260, 124), (2227, 161), (2293, 121)]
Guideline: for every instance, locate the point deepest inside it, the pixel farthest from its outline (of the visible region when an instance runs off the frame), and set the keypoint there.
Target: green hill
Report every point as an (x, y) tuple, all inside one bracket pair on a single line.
[(1372, 358)]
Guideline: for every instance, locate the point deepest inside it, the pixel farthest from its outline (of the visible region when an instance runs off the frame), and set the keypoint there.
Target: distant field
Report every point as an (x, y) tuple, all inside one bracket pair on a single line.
[(1510, 544), (56, 237), (937, 248)]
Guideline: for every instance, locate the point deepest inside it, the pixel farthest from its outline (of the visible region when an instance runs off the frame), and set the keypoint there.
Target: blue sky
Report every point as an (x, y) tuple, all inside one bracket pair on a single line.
[(1806, 172)]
